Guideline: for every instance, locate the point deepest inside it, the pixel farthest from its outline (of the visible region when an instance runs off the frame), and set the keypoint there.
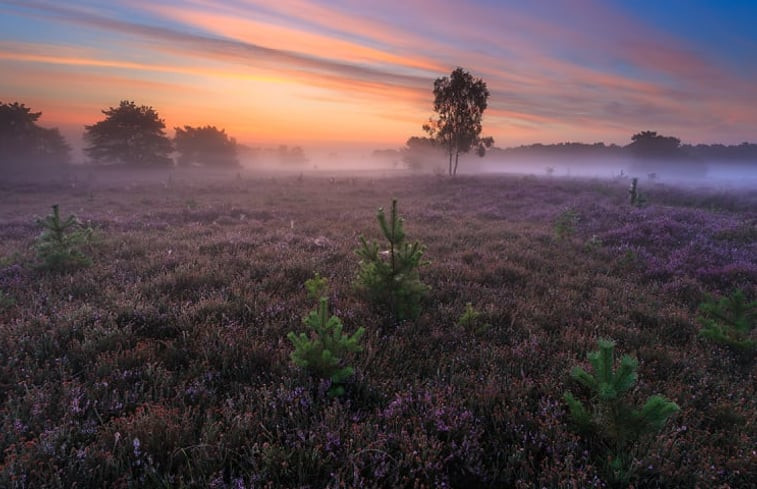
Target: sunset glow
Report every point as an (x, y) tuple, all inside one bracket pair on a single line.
[(361, 73)]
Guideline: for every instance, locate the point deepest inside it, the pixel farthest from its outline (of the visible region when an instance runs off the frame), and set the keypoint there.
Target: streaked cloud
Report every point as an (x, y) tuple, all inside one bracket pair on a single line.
[(266, 70)]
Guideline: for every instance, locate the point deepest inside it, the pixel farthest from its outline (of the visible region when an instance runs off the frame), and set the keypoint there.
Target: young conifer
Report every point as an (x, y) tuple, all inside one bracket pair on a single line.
[(316, 287), (729, 321), (59, 245), (611, 414), (610, 418), (322, 351), (389, 278), (470, 320)]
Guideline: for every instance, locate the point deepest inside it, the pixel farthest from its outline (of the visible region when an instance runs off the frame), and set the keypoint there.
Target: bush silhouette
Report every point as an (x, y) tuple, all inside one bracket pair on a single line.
[(131, 135)]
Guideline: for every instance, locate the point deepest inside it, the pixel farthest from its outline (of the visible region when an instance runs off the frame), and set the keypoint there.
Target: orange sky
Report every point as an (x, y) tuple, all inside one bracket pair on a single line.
[(321, 73)]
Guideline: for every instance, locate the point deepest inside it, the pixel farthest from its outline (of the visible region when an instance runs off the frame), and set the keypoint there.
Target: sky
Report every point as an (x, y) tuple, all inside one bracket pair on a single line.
[(360, 74)]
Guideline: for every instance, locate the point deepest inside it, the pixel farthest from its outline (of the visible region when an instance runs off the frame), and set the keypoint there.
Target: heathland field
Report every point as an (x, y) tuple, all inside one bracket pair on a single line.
[(165, 361)]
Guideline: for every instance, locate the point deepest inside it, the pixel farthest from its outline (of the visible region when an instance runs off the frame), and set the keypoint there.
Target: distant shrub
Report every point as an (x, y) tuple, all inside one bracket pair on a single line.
[(6, 301), (390, 278), (470, 320), (629, 259), (634, 196), (322, 351), (565, 223), (594, 243), (59, 245), (729, 321), (317, 286), (610, 418)]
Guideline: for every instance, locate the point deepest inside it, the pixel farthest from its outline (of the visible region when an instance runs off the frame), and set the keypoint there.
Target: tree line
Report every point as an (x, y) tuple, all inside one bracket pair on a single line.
[(130, 134), (423, 152), (24, 143), (135, 135)]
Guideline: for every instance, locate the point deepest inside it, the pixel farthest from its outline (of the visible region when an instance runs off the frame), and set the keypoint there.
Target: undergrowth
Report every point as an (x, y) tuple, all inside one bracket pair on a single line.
[(166, 362)]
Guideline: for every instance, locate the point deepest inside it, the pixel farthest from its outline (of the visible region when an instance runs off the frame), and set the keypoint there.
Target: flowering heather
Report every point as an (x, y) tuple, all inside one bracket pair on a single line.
[(165, 363), (717, 249)]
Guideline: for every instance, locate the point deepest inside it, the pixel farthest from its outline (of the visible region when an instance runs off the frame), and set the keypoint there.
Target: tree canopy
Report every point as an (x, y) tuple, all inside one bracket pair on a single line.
[(459, 101), (24, 143), (130, 135), (649, 144), (207, 146), (736, 152)]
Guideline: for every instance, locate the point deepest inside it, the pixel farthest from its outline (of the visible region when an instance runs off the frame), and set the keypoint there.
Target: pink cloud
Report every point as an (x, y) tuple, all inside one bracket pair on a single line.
[(549, 74)]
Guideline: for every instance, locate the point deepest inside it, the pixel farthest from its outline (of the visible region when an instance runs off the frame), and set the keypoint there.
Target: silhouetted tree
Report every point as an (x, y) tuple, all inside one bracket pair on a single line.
[(206, 146), (419, 153), (567, 150), (129, 134), (744, 152), (459, 101), (649, 144), (24, 143)]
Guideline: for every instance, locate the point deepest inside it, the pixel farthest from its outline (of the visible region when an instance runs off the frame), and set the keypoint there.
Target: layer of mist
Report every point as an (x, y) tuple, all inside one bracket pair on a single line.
[(361, 164)]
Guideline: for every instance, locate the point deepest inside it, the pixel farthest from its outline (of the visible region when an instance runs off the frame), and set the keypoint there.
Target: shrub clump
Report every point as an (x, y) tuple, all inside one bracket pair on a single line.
[(565, 223), (471, 320), (729, 321), (389, 278)]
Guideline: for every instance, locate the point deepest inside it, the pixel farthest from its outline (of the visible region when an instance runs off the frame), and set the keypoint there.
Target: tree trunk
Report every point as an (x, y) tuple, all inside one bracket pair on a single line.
[(450, 164), (457, 156)]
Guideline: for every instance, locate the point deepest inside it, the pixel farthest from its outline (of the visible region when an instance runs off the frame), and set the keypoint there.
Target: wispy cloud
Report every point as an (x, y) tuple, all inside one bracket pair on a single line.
[(569, 71), (226, 48)]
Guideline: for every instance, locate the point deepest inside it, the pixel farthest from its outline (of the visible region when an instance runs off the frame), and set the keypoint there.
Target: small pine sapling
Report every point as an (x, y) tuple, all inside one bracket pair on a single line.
[(729, 321), (470, 320), (317, 286), (565, 223), (322, 352), (390, 279), (59, 245), (616, 423)]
